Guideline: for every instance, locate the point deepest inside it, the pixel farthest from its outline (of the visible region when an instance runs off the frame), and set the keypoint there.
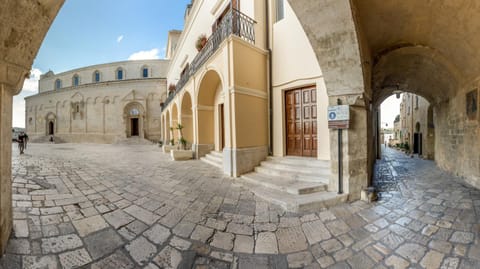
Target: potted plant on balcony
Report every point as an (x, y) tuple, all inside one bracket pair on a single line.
[(201, 42), (171, 88)]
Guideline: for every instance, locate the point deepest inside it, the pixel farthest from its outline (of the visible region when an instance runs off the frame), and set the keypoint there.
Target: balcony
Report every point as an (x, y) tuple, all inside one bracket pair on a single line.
[(234, 23)]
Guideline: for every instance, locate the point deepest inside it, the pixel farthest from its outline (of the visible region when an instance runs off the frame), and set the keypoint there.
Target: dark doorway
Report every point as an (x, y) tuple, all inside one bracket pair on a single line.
[(301, 120), (417, 143), (134, 127), (51, 128), (222, 127)]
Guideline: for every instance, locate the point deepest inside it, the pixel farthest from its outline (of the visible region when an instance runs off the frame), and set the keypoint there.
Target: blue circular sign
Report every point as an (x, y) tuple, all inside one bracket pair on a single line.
[(332, 115)]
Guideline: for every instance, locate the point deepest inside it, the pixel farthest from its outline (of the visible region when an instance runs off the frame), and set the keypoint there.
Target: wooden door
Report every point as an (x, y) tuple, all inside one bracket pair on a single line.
[(301, 121)]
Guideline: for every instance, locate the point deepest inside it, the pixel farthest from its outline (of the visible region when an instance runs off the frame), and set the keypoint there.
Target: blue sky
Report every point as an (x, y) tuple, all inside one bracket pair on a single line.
[(88, 32)]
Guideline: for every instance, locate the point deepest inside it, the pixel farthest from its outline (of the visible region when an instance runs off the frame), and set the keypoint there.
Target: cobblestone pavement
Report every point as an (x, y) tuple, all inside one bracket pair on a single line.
[(105, 206)]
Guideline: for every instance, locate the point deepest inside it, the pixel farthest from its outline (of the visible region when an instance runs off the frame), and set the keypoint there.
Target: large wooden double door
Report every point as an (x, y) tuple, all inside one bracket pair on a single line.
[(301, 117)]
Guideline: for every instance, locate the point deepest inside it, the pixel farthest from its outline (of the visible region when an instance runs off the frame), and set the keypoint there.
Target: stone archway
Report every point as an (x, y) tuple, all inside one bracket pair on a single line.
[(50, 121), (210, 113), (369, 48), (134, 118), (167, 132), (24, 25), (187, 117), (174, 123)]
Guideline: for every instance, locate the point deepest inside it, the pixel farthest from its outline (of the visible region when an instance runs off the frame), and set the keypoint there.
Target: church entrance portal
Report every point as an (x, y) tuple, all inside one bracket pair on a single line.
[(134, 127)]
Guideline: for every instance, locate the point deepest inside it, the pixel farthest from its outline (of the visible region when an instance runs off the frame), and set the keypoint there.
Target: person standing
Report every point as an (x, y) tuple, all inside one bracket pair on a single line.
[(21, 140), (25, 139)]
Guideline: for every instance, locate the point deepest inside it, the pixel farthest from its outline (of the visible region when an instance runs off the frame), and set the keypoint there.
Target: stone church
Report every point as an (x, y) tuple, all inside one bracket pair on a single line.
[(99, 104)]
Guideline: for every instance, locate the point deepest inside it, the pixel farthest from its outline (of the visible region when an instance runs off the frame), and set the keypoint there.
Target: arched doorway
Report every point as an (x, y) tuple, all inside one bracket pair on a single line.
[(430, 142), (51, 128), (187, 118), (167, 133), (417, 140), (50, 121), (134, 115), (174, 126), (211, 115)]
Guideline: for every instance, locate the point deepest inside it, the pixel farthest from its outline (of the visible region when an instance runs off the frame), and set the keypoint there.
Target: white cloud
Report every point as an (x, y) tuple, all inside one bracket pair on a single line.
[(30, 87), (31, 84), (145, 55), (119, 38)]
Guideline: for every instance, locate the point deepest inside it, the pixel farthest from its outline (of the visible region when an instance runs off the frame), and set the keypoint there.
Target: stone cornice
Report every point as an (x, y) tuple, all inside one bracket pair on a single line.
[(13, 76)]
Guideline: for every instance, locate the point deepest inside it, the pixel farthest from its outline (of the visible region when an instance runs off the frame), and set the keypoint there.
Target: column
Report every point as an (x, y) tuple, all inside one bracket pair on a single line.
[(11, 80)]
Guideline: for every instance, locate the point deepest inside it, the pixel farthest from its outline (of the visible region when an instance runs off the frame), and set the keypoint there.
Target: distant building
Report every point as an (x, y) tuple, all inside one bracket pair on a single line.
[(415, 126), (101, 103)]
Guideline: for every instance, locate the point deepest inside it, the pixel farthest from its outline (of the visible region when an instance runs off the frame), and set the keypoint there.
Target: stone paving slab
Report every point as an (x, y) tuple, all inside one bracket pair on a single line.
[(103, 208)]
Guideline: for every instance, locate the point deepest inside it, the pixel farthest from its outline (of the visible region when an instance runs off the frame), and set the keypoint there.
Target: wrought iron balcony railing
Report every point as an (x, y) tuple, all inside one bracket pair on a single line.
[(233, 23)]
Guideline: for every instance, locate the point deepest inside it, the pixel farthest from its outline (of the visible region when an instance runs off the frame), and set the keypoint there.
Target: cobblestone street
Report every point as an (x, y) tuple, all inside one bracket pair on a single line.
[(129, 206)]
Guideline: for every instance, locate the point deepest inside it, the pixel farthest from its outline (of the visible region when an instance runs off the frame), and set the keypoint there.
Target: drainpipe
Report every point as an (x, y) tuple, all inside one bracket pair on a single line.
[(269, 74)]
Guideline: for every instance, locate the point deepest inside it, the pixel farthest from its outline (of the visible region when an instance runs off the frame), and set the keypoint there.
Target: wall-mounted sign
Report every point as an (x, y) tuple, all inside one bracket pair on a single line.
[(338, 117)]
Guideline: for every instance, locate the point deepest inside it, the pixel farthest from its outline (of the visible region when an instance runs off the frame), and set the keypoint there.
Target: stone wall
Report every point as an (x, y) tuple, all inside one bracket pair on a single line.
[(457, 138), (24, 25), (96, 112)]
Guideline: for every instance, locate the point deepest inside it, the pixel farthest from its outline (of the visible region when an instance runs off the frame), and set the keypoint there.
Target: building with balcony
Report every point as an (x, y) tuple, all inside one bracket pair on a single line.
[(245, 84), (101, 103)]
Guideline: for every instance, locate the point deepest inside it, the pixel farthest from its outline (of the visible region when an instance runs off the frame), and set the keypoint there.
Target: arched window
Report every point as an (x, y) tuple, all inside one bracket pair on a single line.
[(96, 76), (120, 75), (134, 112), (145, 72), (75, 80), (58, 84)]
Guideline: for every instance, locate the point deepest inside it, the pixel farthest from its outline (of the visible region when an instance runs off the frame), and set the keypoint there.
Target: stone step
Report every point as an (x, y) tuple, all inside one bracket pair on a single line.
[(285, 184), (296, 175), (299, 203), (299, 161), (296, 168), (218, 154), (214, 158), (209, 161)]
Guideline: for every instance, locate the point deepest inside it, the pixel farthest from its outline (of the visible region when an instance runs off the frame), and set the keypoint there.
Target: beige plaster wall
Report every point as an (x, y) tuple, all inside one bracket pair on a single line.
[(250, 121), (294, 65)]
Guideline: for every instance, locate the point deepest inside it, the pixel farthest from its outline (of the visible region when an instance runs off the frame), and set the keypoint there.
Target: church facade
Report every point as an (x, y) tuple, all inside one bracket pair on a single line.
[(99, 104)]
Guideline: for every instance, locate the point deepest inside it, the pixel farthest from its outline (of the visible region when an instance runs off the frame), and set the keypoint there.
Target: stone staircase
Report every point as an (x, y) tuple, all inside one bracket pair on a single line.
[(134, 140), (296, 184), (46, 139), (214, 158)]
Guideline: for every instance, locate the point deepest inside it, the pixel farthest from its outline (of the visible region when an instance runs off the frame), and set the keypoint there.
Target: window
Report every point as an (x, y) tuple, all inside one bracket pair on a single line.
[(134, 112), (30, 120), (77, 108), (58, 84), (145, 72), (280, 10), (96, 76), (416, 102), (76, 80), (119, 74)]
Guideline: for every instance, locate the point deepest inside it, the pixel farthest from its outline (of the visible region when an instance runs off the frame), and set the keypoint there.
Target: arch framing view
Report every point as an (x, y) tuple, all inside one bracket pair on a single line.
[(246, 87)]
